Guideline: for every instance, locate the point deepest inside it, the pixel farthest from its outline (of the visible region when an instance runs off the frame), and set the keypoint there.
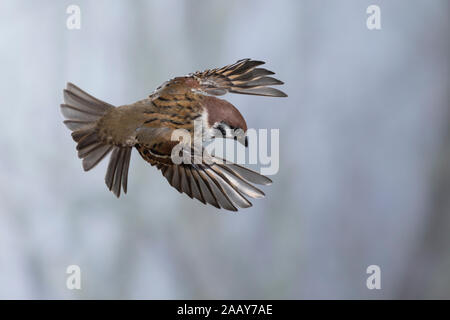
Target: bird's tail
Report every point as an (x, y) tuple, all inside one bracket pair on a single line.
[(82, 112)]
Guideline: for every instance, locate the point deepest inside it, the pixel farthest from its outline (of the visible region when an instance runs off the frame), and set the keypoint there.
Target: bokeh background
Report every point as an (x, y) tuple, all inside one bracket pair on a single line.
[(364, 153)]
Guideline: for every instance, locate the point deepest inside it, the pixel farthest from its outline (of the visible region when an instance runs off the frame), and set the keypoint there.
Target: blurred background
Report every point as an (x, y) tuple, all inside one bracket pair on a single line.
[(364, 173)]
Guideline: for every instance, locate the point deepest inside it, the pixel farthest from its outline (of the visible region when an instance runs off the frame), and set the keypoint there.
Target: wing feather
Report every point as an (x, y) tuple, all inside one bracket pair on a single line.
[(212, 181), (241, 77)]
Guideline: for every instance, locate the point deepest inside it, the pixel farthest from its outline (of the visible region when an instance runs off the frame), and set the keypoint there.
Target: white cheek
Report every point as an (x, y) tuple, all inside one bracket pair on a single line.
[(201, 128), (210, 133)]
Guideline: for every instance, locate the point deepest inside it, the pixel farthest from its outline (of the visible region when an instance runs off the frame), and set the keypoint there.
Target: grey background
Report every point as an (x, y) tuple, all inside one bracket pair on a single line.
[(364, 153)]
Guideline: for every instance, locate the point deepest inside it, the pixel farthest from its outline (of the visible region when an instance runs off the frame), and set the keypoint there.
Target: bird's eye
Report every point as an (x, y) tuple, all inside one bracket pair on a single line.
[(222, 130)]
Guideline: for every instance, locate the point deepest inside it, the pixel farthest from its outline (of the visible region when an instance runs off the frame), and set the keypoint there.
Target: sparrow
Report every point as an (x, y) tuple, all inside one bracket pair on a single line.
[(100, 128)]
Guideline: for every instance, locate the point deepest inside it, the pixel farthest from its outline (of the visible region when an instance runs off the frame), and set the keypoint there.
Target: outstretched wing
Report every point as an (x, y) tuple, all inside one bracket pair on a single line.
[(244, 77), (206, 178), (219, 184)]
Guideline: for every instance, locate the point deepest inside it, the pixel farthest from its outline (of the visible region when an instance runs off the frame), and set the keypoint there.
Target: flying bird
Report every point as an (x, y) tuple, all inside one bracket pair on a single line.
[(99, 128)]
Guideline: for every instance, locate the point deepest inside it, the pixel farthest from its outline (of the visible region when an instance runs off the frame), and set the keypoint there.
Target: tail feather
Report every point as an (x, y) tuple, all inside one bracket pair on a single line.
[(76, 124), (80, 134), (81, 112), (88, 140), (83, 105), (82, 153), (95, 156), (101, 105), (71, 112), (117, 173)]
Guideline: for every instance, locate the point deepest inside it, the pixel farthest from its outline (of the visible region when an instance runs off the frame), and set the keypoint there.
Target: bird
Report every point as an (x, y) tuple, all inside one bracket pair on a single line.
[(147, 125)]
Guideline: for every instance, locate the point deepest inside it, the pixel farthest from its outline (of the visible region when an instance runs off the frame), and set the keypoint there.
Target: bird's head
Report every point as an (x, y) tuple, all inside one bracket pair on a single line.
[(224, 120)]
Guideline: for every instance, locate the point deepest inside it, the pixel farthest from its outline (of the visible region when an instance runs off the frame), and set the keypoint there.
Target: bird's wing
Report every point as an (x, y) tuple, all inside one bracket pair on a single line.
[(244, 77), (204, 177), (157, 141)]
